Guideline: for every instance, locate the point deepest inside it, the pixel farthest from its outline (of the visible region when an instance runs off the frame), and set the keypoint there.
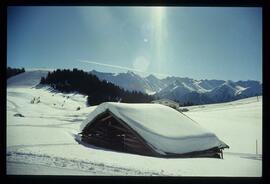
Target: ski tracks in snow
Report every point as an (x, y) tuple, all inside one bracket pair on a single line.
[(92, 168)]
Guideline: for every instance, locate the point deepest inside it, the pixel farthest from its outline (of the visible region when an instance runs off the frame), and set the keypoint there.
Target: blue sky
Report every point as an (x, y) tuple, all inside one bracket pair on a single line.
[(196, 42)]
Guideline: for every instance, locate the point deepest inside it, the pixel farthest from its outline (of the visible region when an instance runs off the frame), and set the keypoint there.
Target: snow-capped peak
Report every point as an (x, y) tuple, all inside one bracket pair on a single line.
[(184, 89)]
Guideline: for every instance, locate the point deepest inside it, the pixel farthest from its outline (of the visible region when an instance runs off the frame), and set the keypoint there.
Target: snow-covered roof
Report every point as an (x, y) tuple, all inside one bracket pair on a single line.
[(163, 128)]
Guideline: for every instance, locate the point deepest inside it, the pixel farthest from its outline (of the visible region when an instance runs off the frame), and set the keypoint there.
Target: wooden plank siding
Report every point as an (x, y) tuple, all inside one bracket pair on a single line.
[(108, 132)]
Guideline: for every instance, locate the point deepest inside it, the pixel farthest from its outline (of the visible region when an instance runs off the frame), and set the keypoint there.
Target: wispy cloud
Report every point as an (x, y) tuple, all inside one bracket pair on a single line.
[(122, 67)]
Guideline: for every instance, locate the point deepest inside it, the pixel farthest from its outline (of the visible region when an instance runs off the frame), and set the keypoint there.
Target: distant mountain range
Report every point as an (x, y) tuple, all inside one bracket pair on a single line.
[(184, 89)]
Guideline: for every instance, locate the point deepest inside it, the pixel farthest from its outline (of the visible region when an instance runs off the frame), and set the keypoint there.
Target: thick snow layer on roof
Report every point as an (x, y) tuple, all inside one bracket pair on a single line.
[(163, 128)]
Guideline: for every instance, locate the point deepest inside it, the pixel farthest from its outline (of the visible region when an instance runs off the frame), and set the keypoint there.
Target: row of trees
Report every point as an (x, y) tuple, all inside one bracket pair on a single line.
[(97, 91), (14, 71), (184, 104)]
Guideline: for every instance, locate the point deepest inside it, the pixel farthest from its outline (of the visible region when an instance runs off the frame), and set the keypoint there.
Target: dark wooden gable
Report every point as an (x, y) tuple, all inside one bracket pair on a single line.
[(109, 132)]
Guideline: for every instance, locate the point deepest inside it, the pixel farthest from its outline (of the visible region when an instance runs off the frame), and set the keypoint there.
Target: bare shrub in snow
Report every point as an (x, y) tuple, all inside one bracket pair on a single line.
[(183, 110), (18, 115)]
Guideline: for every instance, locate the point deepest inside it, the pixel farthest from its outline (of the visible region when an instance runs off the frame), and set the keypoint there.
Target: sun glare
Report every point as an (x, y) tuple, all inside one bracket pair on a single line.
[(160, 34)]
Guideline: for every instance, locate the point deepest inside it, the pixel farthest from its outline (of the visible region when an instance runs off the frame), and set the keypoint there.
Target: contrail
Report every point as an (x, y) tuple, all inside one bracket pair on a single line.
[(121, 67), (112, 66)]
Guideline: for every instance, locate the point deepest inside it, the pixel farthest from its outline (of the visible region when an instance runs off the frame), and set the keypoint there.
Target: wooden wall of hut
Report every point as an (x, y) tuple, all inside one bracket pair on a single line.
[(108, 132)]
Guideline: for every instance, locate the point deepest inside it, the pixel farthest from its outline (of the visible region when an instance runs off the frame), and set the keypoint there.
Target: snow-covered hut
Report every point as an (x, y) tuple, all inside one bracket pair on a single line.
[(148, 129)]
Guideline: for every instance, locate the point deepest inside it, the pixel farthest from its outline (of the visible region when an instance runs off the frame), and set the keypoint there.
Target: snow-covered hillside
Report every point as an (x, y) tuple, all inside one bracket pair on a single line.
[(238, 123), (28, 78), (42, 126)]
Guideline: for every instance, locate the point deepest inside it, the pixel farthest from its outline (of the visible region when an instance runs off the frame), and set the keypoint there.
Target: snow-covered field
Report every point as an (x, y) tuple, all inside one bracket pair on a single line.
[(43, 141)]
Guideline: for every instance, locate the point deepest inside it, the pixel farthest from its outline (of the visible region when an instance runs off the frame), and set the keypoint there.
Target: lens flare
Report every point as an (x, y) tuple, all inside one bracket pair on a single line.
[(141, 64)]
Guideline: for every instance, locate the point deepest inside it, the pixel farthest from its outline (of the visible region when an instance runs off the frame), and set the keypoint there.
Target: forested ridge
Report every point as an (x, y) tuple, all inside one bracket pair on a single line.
[(87, 84), (14, 71)]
